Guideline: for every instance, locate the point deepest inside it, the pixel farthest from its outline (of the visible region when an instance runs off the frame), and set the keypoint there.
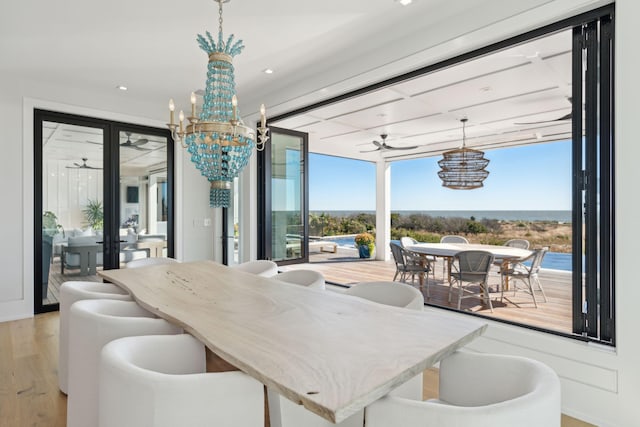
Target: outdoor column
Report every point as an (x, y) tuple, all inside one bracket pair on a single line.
[(383, 209)]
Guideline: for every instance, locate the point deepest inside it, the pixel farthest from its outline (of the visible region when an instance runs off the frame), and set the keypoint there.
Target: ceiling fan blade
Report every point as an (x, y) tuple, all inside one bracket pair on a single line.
[(401, 148), (559, 119), (378, 144), (141, 141), (371, 151)]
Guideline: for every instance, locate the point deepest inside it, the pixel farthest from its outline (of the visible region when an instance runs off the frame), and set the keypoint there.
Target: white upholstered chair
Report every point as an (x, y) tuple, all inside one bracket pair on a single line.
[(92, 324), (143, 262), (260, 267), (398, 295), (389, 293), (71, 292), (161, 381), (309, 278), (479, 390)]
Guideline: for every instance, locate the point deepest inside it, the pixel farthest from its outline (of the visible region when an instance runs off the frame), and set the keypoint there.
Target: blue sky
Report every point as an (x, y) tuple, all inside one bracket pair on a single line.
[(532, 177)]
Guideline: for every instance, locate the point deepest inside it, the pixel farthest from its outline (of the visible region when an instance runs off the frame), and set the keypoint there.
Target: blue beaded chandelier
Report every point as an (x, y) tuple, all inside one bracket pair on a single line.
[(219, 142)]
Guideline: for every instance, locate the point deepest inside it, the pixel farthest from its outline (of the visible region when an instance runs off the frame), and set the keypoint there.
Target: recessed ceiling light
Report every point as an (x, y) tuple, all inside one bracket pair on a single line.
[(122, 88), (267, 71), (404, 2)]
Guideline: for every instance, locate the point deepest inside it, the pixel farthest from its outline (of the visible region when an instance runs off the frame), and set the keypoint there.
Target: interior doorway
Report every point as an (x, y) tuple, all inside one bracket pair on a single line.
[(103, 197)]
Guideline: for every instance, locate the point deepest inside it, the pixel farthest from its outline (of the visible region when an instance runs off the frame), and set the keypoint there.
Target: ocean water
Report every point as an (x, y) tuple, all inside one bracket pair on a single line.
[(554, 216), (552, 260)]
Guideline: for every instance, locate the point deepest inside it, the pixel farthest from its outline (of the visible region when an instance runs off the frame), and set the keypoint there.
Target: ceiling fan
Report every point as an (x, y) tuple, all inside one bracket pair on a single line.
[(559, 119), (84, 165), (135, 144), (383, 145)]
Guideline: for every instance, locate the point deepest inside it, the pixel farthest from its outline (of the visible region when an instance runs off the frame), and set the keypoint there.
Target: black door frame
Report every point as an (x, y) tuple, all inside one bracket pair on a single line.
[(265, 198), (111, 188)]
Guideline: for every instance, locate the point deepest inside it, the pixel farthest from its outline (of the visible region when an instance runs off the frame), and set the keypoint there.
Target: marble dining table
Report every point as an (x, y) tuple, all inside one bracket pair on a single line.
[(332, 353)]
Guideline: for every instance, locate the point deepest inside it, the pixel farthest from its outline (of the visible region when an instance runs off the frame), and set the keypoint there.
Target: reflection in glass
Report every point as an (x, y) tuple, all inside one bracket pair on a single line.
[(143, 196), (286, 197), (72, 205)]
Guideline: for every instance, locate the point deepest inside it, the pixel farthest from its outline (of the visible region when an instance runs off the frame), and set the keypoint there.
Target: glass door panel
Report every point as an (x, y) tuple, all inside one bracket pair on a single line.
[(144, 196), (288, 189), (70, 208)]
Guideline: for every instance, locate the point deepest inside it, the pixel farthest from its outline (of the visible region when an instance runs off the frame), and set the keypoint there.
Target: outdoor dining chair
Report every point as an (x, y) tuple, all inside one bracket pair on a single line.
[(525, 274), (451, 239), (471, 275), (420, 259), (407, 265), (518, 243)]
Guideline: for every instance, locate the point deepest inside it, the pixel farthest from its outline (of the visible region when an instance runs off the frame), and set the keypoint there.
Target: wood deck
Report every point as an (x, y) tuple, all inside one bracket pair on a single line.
[(345, 268), (56, 279)]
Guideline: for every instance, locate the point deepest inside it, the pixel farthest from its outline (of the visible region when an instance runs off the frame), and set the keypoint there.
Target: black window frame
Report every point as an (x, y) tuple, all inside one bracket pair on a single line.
[(593, 313)]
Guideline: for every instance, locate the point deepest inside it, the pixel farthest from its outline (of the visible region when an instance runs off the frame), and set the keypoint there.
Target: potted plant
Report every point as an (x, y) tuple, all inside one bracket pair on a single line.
[(50, 228), (365, 244), (94, 214)]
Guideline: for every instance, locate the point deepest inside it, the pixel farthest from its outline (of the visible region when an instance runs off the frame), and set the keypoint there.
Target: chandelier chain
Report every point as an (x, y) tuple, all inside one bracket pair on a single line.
[(464, 133), (220, 16)]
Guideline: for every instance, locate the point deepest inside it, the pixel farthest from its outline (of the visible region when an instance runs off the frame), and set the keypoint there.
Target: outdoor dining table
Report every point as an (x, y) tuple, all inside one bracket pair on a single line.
[(502, 254), (332, 353)]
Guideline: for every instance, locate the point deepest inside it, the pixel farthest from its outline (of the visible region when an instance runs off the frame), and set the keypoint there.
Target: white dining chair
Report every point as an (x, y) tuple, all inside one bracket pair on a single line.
[(161, 381), (480, 390), (260, 267), (92, 324), (398, 295), (70, 292), (144, 262), (309, 278), (285, 413)]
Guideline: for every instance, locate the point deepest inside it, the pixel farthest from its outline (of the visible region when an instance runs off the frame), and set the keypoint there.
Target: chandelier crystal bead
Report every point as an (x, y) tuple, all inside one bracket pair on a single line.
[(219, 142)]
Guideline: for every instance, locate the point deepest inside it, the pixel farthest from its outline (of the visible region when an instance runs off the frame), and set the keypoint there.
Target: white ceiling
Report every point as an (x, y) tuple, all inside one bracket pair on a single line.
[(71, 145), (318, 50), (527, 83)]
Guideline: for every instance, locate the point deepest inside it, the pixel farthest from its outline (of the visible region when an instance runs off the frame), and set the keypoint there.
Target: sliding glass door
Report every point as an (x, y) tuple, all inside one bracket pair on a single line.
[(102, 197)]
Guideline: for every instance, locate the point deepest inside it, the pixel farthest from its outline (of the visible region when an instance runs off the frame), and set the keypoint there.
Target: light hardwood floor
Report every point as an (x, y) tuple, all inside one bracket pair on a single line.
[(29, 394)]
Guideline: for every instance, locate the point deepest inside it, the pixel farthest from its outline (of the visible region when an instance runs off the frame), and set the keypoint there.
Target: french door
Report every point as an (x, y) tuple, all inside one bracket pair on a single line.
[(283, 204), (102, 197)]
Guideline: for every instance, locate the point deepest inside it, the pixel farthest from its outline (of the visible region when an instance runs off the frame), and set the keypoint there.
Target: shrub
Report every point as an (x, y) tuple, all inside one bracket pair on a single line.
[(364, 239)]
